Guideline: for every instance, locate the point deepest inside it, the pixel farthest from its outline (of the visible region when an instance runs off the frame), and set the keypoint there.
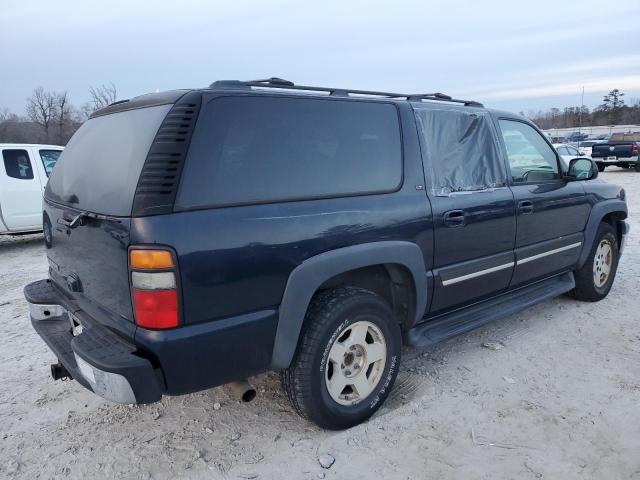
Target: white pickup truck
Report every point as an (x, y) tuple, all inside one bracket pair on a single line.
[(24, 171)]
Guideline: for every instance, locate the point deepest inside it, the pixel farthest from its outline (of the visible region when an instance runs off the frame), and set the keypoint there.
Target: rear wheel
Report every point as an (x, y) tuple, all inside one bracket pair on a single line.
[(595, 278), (601, 167), (347, 359), (637, 167)]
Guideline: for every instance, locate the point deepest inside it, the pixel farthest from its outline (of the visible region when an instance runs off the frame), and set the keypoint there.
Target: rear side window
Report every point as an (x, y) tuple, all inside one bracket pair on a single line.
[(251, 150), (99, 168), (17, 164), (49, 159)]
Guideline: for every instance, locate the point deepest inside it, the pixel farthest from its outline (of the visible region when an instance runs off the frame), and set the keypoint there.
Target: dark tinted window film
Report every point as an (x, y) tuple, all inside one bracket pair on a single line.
[(99, 168), (17, 164), (248, 149)]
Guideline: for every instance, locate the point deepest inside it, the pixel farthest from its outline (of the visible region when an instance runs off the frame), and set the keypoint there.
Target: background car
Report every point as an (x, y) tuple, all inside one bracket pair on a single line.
[(568, 153), (586, 145), (24, 171)]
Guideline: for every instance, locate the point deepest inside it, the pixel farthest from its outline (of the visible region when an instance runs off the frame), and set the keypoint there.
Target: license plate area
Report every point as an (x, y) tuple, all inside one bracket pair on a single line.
[(612, 159)]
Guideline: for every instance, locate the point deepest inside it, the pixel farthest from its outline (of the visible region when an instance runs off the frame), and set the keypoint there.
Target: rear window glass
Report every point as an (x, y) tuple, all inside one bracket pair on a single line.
[(49, 159), (99, 168), (17, 164), (248, 150)]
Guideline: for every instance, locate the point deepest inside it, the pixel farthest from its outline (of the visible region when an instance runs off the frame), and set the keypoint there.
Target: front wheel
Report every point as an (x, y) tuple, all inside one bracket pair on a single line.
[(347, 358), (595, 278)]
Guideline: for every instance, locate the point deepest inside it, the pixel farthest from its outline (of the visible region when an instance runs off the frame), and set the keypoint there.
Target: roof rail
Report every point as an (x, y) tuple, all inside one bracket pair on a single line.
[(280, 83)]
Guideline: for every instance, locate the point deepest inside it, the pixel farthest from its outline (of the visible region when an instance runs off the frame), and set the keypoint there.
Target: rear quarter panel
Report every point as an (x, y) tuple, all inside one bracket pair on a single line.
[(237, 260)]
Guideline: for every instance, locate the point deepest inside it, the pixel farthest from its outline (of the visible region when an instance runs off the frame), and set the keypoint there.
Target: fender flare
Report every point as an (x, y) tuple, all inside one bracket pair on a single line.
[(598, 212), (305, 279)]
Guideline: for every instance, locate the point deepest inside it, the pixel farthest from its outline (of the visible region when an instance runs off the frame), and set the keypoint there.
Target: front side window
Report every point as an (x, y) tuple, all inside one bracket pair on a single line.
[(531, 158), (460, 150), (562, 151), (573, 151), (270, 149), (17, 164), (49, 159)]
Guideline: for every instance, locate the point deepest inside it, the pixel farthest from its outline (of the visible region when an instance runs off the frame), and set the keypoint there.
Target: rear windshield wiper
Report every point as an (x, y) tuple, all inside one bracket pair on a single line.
[(73, 223), (79, 219)]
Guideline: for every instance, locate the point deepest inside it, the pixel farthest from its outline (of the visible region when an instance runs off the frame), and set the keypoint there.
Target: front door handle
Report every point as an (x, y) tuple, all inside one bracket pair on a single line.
[(454, 218), (525, 207)]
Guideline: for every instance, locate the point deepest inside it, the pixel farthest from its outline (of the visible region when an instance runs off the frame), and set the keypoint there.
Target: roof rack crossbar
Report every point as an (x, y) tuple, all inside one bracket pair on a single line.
[(280, 83)]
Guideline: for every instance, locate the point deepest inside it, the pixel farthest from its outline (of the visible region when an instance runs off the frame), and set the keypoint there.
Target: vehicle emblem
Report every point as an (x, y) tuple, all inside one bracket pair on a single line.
[(611, 149)]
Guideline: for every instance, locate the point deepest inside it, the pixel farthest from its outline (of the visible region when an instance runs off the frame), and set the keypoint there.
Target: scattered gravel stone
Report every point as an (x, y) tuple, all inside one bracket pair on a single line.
[(217, 406), (326, 460), (236, 436), (321, 475), (509, 380), (493, 345)]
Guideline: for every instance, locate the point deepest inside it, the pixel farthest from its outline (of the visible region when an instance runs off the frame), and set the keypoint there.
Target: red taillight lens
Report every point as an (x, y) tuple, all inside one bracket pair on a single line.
[(156, 309), (634, 148)]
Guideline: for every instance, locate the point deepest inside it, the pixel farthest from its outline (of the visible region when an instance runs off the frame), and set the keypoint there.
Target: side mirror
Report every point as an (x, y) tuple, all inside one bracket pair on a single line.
[(582, 169)]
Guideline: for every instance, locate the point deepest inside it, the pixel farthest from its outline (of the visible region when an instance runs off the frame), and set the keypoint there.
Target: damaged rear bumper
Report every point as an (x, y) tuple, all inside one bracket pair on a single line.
[(94, 356)]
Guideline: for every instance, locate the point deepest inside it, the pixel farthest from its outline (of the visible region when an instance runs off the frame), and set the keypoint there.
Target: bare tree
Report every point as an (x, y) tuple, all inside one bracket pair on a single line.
[(102, 96), (42, 108), (5, 114)]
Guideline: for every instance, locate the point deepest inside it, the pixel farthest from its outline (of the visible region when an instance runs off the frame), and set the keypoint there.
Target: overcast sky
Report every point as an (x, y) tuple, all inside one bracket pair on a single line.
[(516, 55)]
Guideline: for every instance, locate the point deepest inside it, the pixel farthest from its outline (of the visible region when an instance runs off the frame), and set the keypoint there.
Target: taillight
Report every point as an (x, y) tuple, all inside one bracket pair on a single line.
[(153, 288), (634, 148)]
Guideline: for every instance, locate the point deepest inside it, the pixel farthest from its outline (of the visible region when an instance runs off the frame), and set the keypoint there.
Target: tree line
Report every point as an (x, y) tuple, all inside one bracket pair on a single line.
[(612, 111), (51, 117)]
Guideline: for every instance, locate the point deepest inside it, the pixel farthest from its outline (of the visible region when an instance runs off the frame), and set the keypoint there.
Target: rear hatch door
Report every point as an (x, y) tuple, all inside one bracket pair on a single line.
[(87, 211)]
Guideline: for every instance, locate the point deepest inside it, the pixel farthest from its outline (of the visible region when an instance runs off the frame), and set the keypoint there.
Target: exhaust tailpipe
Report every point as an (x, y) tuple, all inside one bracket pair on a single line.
[(242, 390), (59, 372)]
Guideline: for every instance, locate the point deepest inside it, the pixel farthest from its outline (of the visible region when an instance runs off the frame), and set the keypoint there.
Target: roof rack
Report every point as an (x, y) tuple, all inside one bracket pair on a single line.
[(280, 83)]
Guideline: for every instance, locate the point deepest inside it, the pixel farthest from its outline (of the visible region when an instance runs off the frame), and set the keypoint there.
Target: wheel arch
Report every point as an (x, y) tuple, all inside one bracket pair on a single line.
[(609, 211), (401, 262)]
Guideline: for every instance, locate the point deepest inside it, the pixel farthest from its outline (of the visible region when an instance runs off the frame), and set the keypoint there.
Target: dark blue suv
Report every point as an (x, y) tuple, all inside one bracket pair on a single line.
[(199, 237)]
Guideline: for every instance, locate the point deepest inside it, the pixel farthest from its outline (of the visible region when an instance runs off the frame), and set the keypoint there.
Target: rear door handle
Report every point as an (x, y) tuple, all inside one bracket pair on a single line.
[(525, 207), (454, 218)]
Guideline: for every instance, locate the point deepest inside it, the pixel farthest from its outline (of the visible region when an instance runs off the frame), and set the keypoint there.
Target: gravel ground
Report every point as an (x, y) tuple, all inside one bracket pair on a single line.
[(558, 398)]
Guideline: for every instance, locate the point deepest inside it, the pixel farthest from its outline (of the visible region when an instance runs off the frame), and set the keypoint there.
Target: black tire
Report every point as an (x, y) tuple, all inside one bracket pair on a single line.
[(586, 288), (637, 167), (601, 167), (328, 318)]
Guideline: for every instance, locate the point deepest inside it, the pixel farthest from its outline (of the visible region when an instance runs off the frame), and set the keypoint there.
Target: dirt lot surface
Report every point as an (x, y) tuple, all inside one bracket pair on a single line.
[(557, 397)]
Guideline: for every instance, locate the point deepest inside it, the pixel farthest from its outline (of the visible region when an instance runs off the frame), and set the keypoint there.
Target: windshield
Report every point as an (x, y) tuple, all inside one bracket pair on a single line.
[(98, 170), (49, 159)]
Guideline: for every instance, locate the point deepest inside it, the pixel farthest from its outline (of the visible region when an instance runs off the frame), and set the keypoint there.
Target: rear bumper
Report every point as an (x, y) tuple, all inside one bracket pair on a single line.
[(618, 161), (97, 358), (158, 362)]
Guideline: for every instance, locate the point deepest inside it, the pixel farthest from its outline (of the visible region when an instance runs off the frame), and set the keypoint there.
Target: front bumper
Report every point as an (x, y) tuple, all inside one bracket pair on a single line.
[(97, 358)]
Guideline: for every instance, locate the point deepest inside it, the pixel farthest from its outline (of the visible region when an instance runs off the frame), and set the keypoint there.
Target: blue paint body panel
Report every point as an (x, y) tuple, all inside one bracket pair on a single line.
[(235, 262)]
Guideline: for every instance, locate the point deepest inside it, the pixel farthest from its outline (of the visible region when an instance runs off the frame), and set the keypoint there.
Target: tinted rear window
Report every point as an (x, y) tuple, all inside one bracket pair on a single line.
[(17, 164), (248, 149), (99, 168)]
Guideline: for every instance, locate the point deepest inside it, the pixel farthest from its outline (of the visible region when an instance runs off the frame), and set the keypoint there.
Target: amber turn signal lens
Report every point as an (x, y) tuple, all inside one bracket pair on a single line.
[(150, 259)]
